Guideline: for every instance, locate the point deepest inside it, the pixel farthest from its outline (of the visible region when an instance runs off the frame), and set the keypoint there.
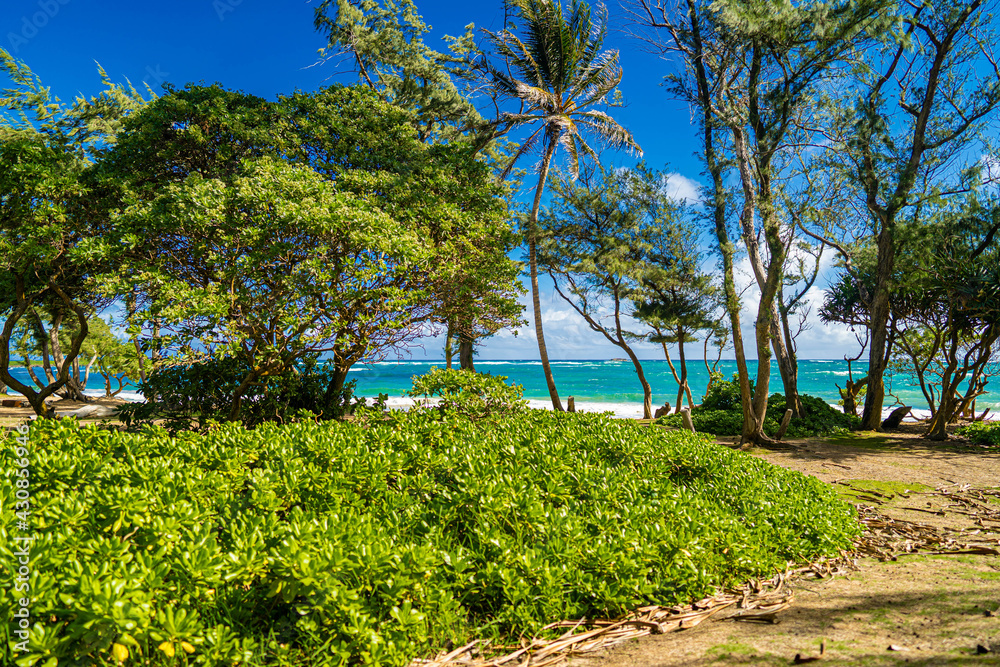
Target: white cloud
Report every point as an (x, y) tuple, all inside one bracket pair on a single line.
[(680, 187)]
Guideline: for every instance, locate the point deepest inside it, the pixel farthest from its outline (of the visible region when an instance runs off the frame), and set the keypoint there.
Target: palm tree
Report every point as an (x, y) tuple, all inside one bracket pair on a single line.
[(558, 73)]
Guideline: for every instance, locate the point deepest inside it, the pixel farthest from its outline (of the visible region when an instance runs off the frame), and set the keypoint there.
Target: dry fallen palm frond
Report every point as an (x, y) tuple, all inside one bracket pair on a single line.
[(753, 601)]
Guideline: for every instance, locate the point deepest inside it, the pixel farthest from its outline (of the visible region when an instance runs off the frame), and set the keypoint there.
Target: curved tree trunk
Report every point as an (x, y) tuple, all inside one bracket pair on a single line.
[(536, 304), (647, 391), (677, 377), (21, 307)]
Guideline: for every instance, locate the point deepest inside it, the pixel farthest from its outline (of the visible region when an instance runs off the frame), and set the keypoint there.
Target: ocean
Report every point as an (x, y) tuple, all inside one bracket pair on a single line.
[(610, 385), (614, 384)]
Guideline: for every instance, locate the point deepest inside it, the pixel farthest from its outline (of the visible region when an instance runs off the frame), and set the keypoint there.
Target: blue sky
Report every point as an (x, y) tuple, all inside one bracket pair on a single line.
[(267, 48)]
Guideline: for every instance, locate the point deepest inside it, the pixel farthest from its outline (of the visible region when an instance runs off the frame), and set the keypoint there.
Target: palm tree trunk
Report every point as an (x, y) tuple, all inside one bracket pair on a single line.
[(536, 304)]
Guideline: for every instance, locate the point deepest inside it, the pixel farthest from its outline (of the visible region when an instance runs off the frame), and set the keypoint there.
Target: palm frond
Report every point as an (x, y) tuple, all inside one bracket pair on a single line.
[(523, 150), (609, 130)]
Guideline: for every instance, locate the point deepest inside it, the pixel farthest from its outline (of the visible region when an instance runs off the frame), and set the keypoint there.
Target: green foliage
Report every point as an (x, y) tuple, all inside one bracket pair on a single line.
[(345, 543), (471, 394), (723, 395), (819, 417), (311, 225), (51, 251), (384, 40), (721, 414), (984, 434), (193, 395)]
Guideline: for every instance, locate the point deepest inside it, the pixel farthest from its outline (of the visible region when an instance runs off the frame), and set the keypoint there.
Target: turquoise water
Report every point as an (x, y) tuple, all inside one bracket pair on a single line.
[(611, 382), (603, 381)]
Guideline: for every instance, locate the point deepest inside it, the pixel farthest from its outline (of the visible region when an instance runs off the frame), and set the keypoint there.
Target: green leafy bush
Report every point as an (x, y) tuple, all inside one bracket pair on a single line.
[(468, 393), (721, 414), (723, 394), (819, 417), (186, 397), (984, 434), (376, 542)]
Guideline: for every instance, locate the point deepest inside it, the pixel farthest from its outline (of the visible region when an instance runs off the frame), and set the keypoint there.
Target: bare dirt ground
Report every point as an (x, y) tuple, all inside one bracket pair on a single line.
[(917, 610)]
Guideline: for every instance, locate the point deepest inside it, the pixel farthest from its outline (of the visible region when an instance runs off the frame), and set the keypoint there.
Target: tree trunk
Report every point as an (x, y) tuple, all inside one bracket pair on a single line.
[(788, 364), (141, 358), (237, 407), (341, 367), (536, 303), (677, 377), (31, 372), (871, 418), (850, 395), (42, 339), (769, 281), (448, 350), (647, 391), (717, 203), (465, 352)]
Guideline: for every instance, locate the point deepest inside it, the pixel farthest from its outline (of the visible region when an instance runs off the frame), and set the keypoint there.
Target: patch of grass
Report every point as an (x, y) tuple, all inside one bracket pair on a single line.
[(732, 647), (860, 487), (969, 566), (734, 652)]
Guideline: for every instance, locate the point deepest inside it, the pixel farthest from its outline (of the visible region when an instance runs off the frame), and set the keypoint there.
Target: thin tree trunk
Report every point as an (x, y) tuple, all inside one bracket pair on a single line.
[(871, 418), (684, 371), (716, 169), (753, 423), (448, 350), (673, 371), (42, 338), (86, 373), (788, 365), (31, 371), (533, 267), (647, 391)]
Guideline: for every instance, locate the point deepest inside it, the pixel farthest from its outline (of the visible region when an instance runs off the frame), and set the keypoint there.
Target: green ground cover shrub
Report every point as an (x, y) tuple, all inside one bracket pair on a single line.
[(474, 395), (375, 541), (984, 434), (721, 414)]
